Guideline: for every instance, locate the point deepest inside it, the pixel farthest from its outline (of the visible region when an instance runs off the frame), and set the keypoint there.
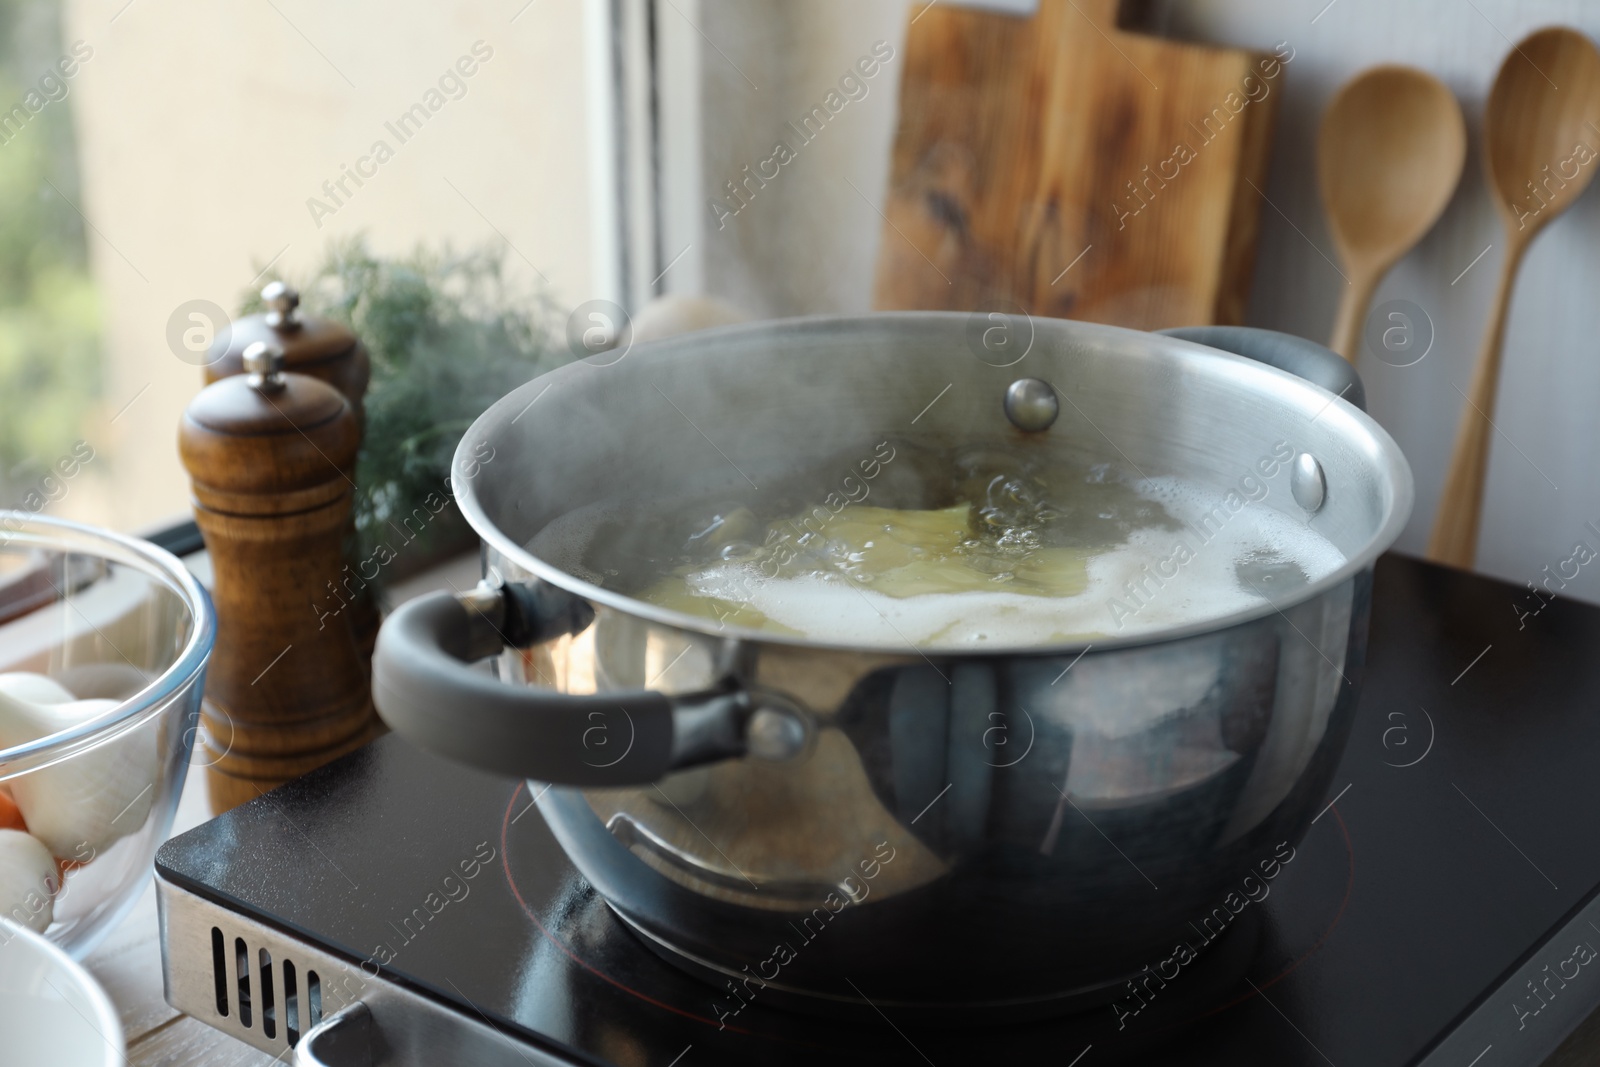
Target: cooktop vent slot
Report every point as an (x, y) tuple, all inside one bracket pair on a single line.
[(219, 969), (291, 1005), (269, 1015), (241, 957)]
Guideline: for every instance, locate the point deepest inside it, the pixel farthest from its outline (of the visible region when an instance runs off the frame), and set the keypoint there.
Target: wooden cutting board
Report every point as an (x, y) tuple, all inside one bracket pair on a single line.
[(1060, 165)]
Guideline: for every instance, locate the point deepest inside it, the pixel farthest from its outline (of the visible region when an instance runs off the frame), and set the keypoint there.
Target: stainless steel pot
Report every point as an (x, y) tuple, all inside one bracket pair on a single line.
[(1018, 831)]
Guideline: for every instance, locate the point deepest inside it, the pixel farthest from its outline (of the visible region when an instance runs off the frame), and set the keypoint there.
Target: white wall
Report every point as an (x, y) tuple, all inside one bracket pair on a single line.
[(807, 242), (205, 127), (811, 244)]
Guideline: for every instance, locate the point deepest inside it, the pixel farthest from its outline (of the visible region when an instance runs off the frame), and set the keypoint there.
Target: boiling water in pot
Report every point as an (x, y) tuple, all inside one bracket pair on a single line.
[(976, 547)]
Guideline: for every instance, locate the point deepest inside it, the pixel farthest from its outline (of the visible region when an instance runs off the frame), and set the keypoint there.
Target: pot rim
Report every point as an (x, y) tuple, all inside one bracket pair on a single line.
[(1394, 468)]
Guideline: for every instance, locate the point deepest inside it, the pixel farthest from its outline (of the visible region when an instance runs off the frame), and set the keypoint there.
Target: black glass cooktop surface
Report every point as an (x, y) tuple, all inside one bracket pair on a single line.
[(1441, 910)]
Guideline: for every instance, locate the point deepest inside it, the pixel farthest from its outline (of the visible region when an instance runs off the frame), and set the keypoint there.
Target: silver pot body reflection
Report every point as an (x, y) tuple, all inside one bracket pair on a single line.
[(831, 825)]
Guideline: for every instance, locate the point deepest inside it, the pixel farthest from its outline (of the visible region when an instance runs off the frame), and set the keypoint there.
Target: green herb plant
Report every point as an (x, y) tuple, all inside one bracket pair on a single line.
[(448, 335)]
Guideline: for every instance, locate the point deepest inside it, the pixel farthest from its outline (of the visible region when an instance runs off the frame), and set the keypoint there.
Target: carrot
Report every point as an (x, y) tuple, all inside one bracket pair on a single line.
[(10, 814)]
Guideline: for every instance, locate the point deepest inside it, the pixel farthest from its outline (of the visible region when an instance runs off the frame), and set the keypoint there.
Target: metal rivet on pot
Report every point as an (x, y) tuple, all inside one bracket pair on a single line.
[(1307, 482), (1031, 405), (775, 733)]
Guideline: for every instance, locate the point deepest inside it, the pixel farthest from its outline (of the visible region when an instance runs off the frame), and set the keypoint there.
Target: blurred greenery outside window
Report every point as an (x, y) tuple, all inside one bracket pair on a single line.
[(50, 363)]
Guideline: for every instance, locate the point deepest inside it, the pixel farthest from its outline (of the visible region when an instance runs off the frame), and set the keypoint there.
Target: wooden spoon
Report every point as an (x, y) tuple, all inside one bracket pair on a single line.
[(1389, 155), (1541, 135)]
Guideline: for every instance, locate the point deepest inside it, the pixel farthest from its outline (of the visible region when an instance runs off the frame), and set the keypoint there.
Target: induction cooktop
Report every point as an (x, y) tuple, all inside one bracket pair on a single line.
[(1441, 910)]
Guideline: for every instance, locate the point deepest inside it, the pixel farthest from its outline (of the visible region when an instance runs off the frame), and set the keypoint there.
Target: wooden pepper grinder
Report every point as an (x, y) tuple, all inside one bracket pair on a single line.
[(324, 349), (270, 455)]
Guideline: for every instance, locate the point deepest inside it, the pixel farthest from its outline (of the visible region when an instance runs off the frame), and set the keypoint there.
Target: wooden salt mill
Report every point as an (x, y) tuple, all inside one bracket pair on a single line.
[(324, 349), (270, 455)]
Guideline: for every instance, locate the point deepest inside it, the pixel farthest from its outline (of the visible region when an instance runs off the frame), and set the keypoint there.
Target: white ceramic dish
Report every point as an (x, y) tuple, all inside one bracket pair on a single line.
[(52, 1013)]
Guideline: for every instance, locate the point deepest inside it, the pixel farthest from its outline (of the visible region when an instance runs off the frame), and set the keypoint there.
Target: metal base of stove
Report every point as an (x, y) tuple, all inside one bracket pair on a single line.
[(284, 995)]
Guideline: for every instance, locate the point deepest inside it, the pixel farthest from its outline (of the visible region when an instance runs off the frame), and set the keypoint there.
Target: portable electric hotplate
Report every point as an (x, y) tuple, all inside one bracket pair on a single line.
[(1442, 909)]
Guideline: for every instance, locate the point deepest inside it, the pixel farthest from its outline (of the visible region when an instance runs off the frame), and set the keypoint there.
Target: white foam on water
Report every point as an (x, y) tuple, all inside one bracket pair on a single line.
[(1158, 579), (1144, 585)]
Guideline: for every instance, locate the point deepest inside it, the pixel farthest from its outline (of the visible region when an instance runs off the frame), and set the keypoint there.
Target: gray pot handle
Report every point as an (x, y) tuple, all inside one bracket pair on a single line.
[(426, 689), (1306, 359)]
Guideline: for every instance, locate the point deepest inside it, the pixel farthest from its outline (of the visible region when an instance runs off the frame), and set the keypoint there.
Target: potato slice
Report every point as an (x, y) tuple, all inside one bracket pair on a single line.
[(1055, 572), (911, 553), (898, 553), (675, 594), (878, 540)]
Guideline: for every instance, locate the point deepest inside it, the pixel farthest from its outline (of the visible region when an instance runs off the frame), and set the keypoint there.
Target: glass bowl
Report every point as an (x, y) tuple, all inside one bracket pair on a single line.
[(103, 616)]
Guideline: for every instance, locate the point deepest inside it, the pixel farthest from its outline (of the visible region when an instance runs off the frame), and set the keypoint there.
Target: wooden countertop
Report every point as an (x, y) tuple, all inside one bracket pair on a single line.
[(128, 964)]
